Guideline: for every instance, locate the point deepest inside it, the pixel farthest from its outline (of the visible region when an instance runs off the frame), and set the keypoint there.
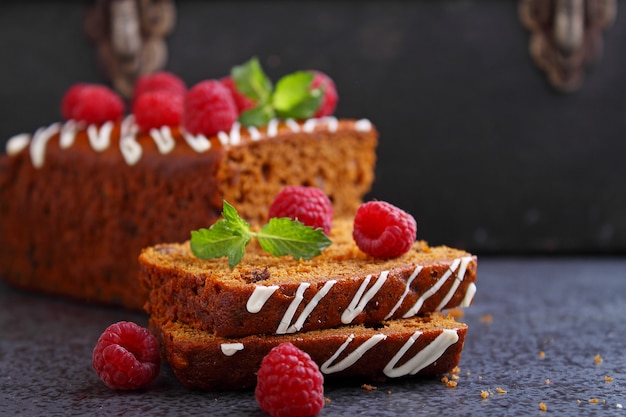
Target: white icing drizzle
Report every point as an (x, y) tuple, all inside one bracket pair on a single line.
[(100, 138), (424, 357), (469, 295), (259, 297), (457, 280), (39, 141), (432, 290), (272, 128), (358, 302), (235, 134), (130, 149), (68, 133), (163, 139), (332, 123), (310, 307), (229, 349), (198, 143), (309, 125), (363, 125), (293, 125), (223, 137), (409, 281), (254, 133), (291, 310), (17, 144), (354, 356)]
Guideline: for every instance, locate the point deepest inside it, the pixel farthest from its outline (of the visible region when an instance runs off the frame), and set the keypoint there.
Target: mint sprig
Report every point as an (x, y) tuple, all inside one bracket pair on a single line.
[(279, 237), (292, 97)]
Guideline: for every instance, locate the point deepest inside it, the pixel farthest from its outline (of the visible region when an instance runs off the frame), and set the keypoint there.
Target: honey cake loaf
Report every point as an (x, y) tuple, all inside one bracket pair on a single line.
[(78, 202), (429, 345), (270, 295)]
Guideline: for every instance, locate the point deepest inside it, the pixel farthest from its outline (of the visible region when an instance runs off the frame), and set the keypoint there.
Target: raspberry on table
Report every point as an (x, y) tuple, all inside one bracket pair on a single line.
[(209, 108), (159, 81), (242, 101), (92, 103), (158, 108), (383, 230), (308, 205), (289, 383), (329, 102), (126, 356)]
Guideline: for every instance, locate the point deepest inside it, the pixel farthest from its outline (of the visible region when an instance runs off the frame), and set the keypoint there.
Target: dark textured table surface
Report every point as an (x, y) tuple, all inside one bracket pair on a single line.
[(549, 330)]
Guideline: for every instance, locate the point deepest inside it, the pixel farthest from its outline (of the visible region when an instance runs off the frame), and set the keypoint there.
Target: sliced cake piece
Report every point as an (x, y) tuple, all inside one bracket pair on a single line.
[(265, 294), (429, 345)]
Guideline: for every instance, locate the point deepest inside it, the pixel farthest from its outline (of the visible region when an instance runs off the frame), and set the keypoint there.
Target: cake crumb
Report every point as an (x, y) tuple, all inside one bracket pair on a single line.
[(487, 318), (501, 391), (327, 400), (451, 384), (484, 395), (457, 312), (593, 400), (598, 359), (608, 378), (389, 392), (578, 402), (454, 377), (542, 354), (618, 405), (456, 370), (543, 406), (548, 382), (445, 379), (368, 387)]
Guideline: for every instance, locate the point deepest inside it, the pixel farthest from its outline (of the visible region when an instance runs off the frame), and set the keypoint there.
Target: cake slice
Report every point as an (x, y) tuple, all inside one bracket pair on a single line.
[(270, 295), (78, 202), (429, 345)]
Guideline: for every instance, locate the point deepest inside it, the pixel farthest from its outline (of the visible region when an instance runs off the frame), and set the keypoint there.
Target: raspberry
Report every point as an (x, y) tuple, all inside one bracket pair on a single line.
[(383, 230), (209, 109), (289, 383), (308, 205), (70, 99), (242, 101), (92, 103), (158, 108), (159, 81), (126, 356), (329, 102)]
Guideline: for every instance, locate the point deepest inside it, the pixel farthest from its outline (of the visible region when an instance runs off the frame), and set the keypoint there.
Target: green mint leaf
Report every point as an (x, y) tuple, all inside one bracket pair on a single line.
[(251, 81), (227, 237), (283, 236), (218, 241), (257, 116), (293, 96)]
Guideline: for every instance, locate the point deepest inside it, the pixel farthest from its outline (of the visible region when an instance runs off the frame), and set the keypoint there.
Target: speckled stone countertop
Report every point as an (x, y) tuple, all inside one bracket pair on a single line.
[(545, 330)]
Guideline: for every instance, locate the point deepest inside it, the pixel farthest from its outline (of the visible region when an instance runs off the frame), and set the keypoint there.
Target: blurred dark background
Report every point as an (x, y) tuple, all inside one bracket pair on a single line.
[(475, 142)]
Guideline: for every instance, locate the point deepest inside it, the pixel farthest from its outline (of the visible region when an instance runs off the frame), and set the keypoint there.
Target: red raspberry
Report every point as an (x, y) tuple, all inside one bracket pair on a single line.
[(242, 101), (92, 103), (158, 108), (308, 205), (126, 356), (70, 99), (329, 102), (209, 109), (383, 230), (289, 383), (159, 81)]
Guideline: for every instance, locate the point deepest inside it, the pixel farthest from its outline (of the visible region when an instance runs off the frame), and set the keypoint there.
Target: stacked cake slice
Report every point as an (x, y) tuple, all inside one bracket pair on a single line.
[(355, 315)]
